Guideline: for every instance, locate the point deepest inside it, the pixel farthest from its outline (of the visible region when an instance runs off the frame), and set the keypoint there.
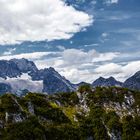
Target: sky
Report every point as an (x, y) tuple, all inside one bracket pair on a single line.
[(81, 39)]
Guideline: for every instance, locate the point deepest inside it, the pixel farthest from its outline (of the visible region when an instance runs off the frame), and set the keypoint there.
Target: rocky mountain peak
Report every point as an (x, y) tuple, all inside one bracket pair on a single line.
[(111, 81)]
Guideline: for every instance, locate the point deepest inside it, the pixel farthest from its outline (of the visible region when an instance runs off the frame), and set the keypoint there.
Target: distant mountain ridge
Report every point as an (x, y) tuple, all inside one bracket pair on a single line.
[(21, 75), (102, 82)]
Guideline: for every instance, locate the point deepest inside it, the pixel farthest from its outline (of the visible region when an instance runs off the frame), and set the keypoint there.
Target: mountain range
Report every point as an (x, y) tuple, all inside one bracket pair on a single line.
[(20, 76), (102, 82)]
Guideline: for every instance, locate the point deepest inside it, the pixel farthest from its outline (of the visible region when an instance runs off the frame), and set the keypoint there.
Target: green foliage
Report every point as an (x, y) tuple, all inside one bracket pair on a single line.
[(27, 130), (8, 104), (54, 114), (66, 99), (62, 116), (85, 88), (103, 95), (63, 132), (112, 121), (137, 98), (70, 112), (93, 125), (38, 100), (131, 128)]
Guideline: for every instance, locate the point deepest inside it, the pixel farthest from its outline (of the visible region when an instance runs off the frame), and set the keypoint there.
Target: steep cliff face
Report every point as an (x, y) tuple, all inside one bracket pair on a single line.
[(55, 83), (101, 113)]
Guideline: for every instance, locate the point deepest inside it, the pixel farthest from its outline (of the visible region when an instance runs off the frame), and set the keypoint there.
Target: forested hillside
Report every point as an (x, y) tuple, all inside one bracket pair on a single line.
[(88, 114)]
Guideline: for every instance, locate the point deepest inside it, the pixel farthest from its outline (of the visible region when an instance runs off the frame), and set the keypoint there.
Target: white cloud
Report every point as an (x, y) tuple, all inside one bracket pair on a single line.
[(35, 20), (75, 64), (77, 58), (9, 51), (108, 2), (120, 72), (32, 56), (104, 35), (75, 75), (61, 48), (91, 45), (114, 1), (131, 68), (106, 69)]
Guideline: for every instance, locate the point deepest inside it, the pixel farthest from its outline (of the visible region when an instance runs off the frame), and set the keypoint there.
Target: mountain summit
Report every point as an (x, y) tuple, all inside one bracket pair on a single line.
[(102, 82)]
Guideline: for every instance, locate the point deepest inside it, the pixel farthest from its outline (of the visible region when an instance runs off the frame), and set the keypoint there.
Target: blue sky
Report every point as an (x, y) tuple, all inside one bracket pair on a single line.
[(81, 39)]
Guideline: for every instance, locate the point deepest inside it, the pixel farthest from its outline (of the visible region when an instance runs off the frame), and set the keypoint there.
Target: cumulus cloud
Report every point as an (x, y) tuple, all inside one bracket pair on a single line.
[(108, 69), (119, 71), (33, 20), (76, 58), (77, 65)]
